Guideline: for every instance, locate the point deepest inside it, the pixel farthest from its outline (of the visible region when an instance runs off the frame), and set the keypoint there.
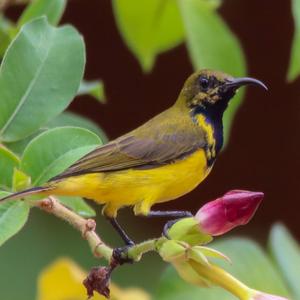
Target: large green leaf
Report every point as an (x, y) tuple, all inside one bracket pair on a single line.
[(19, 146), (13, 216), (78, 205), (294, 65), (64, 119), (8, 161), (211, 44), (39, 76), (148, 27), (37, 8), (286, 252), (93, 88), (56, 149), (249, 264)]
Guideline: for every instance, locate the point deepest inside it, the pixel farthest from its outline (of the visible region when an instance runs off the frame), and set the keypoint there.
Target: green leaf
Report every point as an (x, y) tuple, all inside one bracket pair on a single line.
[(54, 150), (209, 252), (21, 181), (5, 28), (248, 261), (53, 9), (202, 24), (40, 74), (13, 216), (72, 119), (78, 205), (212, 45), (64, 119), (93, 88), (294, 65), (148, 27), (286, 252), (8, 161), (19, 146)]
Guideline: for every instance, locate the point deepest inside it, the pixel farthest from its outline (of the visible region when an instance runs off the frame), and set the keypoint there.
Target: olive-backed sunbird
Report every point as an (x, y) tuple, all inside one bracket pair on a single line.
[(161, 160)]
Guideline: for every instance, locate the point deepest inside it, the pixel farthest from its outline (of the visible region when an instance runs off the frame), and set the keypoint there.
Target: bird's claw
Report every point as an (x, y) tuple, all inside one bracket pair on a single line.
[(120, 254), (170, 223)]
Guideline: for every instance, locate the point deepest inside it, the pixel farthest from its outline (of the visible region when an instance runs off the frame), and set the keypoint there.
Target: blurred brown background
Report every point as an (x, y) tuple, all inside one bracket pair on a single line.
[(263, 153)]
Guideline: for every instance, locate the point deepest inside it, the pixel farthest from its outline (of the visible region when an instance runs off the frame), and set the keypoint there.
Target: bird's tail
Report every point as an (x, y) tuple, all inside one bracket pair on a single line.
[(28, 192)]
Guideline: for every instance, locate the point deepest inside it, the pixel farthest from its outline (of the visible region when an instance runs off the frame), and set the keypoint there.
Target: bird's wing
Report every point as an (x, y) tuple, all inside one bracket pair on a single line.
[(148, 148)]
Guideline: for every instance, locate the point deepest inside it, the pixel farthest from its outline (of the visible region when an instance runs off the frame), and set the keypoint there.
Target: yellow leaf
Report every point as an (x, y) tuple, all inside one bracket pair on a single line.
[(62, 280)]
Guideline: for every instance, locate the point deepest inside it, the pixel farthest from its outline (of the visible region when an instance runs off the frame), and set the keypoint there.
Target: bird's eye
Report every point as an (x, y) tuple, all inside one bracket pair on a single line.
[(204, 83)]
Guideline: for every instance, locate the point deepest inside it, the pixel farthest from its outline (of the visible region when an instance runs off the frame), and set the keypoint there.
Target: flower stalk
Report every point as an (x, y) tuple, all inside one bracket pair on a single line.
[(221, 278)]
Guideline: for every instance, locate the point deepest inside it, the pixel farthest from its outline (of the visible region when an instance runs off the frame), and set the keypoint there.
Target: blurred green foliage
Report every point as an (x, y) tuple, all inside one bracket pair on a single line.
[(294, 66), (53, 10), (149, 27), (13, 216), (5, 27), (286, 252), (94, 88)]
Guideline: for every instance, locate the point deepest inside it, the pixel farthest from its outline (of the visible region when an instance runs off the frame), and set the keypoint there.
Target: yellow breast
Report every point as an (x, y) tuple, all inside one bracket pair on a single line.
[(141, 188)]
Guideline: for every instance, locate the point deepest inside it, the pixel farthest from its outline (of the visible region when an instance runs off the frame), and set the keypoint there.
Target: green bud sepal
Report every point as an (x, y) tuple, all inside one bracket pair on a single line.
[(188, 230)]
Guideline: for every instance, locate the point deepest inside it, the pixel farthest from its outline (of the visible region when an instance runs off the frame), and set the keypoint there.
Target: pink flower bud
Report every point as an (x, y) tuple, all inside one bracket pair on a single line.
[(234, 208), (264, 296)]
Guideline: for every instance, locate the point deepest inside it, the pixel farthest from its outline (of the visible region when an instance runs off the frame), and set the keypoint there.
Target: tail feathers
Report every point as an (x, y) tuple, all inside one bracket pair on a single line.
[(25, 193)]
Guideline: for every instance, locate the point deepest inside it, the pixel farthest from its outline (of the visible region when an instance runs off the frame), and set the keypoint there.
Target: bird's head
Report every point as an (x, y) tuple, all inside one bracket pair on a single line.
[(209, 90)]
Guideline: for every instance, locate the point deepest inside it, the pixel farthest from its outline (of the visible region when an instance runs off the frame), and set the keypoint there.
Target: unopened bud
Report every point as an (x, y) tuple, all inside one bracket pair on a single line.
[(235, 208)]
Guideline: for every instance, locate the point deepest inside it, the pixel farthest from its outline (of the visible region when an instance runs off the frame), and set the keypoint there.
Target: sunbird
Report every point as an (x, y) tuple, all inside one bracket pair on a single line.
[(161, 160)]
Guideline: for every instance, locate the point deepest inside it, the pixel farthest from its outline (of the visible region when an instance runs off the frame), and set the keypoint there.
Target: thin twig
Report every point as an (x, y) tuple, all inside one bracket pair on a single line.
[(85, 226)]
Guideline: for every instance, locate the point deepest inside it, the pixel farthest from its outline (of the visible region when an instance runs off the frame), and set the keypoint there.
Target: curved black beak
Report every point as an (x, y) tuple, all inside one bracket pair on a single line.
[(238, 82)]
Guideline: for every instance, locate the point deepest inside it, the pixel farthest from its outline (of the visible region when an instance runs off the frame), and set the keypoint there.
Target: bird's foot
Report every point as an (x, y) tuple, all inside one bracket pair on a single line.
[(120, 254), (170, 223), (167, 226)]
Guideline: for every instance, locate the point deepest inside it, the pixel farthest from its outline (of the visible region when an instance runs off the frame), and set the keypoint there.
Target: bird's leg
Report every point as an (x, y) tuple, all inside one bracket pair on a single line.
[(169, 214), (121, 232), (120, 253), (178, 214)]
